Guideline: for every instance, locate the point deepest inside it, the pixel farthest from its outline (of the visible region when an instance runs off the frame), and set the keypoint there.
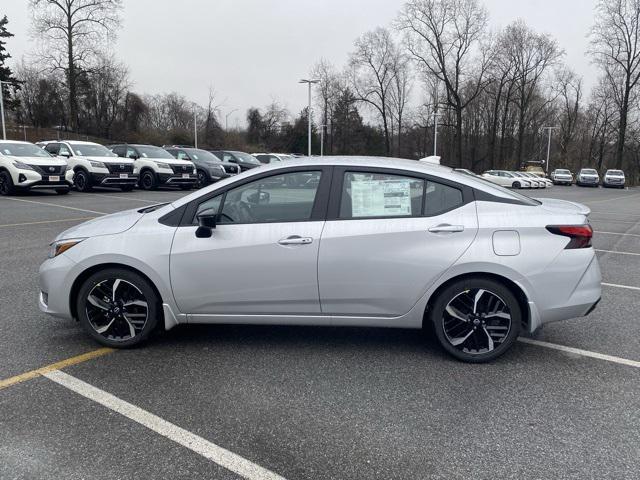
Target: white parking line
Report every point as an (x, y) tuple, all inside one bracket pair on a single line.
[(612, 199), (615, 285), (619, 253), (54, 205), (579, 351), (223, 457), (616, 233)]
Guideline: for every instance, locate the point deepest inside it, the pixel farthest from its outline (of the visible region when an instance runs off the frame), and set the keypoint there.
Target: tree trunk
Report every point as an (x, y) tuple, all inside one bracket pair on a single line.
[(622, 128), (71, 78), (458, 153)]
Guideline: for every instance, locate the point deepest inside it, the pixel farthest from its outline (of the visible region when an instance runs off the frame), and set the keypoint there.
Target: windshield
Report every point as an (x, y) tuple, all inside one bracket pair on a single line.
[(245, 157), (23, 150), (563, 171), (201, 155), (153, 152), (615, 172), (589, 171), (91, 150)]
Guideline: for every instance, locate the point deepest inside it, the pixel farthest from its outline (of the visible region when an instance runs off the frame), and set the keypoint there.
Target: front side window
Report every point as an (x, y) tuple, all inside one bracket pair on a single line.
[(64, 150), (287, 197), (52, 148), (375, 195)]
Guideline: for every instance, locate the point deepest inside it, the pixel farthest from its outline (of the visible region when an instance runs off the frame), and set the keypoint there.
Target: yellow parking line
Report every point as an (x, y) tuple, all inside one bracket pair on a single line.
[(45, 221), (23, 377)]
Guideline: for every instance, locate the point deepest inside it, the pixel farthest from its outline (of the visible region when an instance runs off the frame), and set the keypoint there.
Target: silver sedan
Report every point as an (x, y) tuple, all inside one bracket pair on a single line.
[(332, 241)]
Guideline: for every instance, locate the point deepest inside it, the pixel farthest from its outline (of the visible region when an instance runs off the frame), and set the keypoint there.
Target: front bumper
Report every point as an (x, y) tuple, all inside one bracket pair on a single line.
[(114, 179), (29, 179), (177, 179), (613, 182), (55, 286)]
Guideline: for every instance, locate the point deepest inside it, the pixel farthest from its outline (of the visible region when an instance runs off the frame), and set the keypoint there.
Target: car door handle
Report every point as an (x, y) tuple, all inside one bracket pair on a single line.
[(295, 240), (446, 228)]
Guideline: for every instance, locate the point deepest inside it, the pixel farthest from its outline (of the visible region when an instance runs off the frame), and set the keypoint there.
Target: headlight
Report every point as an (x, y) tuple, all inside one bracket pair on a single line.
[(22, 166), (61, 246), (97, 164), (163, 165)]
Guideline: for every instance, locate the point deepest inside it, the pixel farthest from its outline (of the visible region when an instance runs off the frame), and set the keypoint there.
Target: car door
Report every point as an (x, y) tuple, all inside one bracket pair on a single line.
[(389, 235), (262, 255)]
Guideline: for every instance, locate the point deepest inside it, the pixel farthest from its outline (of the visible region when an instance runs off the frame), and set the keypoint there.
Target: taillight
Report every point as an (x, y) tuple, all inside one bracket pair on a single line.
[(580, 235)]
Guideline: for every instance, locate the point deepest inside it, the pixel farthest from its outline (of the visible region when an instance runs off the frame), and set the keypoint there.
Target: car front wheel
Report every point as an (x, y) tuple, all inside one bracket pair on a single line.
[(82, 181), (148, 180), (476, 319), (203, 181), (6, 184), (118, 308)]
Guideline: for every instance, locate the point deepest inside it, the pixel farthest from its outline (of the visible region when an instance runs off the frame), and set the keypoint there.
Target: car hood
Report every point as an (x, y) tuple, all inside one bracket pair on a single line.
[(118, 160), (40, 161), (106, 225), (563, 206)]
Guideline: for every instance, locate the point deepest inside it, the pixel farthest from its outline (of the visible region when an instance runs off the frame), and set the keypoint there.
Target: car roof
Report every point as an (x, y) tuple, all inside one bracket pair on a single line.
[(16, 141)]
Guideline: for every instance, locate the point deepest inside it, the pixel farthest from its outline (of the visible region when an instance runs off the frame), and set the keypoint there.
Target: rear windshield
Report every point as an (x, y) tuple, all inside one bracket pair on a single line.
[(497, 190)]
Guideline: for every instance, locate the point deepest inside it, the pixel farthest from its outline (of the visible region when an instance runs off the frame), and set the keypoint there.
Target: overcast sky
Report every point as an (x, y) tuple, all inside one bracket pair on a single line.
[(253, 50)]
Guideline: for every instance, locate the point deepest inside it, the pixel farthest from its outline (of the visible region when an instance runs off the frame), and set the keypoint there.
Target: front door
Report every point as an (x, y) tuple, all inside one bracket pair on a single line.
[(394, 235), (262, 255)]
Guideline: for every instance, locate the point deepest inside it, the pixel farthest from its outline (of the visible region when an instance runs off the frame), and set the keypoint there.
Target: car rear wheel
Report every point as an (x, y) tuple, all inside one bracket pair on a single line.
[(516, 185), (476, 320), (118, 308), (6, 184), (82, 181), (148, 180)]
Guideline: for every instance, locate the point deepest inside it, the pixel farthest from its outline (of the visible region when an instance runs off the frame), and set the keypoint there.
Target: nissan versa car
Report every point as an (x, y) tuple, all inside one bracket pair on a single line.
[(157, 167), (613, 178), (367, 242), (94, 165), (25, 166), (587, 177)]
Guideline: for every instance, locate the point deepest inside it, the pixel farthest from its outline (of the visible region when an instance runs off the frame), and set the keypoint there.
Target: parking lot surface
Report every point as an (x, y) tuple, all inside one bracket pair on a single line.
[(327, 403)]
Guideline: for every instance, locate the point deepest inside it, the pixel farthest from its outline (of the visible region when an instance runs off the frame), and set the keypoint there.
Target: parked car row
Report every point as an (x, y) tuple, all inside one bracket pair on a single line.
[(588, 177), (63, 164), (510, 179)]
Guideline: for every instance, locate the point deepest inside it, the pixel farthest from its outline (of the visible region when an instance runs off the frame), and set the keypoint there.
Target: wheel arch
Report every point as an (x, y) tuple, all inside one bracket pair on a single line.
[(516, 289), (80, 279)]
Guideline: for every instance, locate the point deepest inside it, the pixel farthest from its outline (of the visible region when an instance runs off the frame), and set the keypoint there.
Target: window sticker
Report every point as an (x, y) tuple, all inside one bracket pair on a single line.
[(379, 198)]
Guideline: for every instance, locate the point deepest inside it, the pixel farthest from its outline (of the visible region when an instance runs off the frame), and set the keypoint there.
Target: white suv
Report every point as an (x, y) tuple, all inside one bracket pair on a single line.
[(24, 166), (157, 167), (94, 165), (613, 178), (506, 179)]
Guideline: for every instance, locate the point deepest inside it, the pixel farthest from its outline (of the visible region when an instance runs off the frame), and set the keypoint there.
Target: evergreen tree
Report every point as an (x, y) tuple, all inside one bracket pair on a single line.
[(6, 75)]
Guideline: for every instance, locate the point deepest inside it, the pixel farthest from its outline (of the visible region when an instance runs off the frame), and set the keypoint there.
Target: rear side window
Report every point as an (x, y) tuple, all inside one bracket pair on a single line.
[(375, 195), (441, 198)]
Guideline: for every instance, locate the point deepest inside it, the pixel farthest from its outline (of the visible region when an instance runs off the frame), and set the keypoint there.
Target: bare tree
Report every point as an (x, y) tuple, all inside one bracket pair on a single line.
[(532, 55), (444, 36), (372, 73), (328, 90), (399, 93), (570, 92), (615, 46), (73, 31)]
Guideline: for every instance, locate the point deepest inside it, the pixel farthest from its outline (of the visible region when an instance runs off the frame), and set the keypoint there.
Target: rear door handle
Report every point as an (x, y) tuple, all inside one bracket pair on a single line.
[(446, 228), (295, 240)]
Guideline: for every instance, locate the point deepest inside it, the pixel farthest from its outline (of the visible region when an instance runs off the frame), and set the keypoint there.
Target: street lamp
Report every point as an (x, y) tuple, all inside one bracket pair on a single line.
[(226, 119), (548, 129), (309, 82)]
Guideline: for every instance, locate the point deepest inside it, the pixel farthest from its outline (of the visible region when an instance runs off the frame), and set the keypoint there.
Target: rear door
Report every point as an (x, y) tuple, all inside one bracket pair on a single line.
[(389, 235)]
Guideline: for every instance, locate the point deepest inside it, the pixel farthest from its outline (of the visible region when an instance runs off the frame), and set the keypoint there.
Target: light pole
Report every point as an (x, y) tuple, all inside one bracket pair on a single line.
[(195, 129), (548, 129), (309, 82), (435, 130), (226, 119)]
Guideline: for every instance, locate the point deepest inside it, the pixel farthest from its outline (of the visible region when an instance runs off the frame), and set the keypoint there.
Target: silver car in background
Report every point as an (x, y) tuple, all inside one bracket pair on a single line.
[(334, 241)]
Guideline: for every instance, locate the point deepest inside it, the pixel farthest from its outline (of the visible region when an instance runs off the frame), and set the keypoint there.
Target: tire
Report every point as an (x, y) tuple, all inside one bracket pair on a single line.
[(127, 188), (63, 191), (6, 184), (203, 179), (516, 185), (82, 181), (468, 340), (118, 323), (148, 180)]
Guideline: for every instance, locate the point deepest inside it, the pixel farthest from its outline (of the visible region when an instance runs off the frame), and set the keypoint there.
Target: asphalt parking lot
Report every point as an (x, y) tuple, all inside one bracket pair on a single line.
[(324, 403)]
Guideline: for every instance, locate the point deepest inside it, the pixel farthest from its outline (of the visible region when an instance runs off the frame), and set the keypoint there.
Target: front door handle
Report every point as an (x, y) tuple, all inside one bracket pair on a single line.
[(446, 228), (295, 240)]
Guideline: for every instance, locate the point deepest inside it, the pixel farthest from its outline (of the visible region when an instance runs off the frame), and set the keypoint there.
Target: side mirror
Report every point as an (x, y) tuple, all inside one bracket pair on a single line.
[(207, 220), (133, 156), (64, 154)]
